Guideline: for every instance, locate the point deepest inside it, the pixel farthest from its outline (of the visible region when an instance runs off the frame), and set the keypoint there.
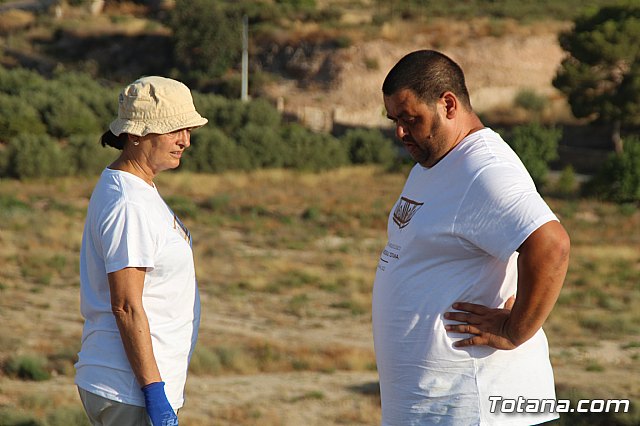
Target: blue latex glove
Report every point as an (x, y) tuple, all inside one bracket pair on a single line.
[(158, 406)]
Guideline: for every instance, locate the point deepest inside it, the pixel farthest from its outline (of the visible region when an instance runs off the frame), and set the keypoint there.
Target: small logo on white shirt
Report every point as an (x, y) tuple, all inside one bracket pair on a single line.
[(404, 212), (182, 229)]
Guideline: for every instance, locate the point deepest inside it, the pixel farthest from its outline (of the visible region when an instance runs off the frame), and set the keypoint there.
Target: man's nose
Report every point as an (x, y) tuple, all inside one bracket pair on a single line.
[(400, 131)]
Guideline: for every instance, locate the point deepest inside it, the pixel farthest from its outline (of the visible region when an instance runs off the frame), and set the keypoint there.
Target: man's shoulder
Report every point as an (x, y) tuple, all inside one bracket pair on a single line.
[(486, 150)]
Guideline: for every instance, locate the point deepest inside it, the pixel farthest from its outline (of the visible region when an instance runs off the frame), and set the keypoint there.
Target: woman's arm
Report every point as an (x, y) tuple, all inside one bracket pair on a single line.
[(126, 304)]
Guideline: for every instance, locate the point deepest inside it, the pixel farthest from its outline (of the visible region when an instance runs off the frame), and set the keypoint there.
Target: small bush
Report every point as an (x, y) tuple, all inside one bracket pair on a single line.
[(101, 100), (10, 205), (10, 417), (369, 146), (536, 146), (33, 156), (567, 184), (619, 177), (67, 416), (27, 367), (226, 115), (183, 207), (212, 152), (530, 101), (205, 361), (313, 151), (17, 116), (206, 37), (67, 116), (371, 63), (17, 80), (87, 156), (262, 113), (264, 145)]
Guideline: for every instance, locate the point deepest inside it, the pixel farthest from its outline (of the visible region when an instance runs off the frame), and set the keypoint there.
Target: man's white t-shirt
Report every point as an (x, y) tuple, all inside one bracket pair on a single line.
[(129, 225), (453, 236)]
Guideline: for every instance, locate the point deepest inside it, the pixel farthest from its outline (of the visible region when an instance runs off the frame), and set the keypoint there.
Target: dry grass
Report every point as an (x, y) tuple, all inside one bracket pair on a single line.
[(285, 263)]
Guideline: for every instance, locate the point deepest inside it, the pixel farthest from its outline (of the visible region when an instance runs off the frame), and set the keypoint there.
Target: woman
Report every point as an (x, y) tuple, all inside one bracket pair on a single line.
[(139, 295)]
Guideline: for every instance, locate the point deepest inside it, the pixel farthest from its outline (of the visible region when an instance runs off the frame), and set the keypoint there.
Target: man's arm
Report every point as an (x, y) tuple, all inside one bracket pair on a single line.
[(542, 267)]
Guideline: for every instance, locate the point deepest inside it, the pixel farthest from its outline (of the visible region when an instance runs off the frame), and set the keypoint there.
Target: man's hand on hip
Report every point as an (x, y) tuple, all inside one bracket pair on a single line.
[(488, 326)]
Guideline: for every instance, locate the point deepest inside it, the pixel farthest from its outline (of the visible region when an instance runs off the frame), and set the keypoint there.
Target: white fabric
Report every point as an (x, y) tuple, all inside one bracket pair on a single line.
[(129, 225), (452, 236)]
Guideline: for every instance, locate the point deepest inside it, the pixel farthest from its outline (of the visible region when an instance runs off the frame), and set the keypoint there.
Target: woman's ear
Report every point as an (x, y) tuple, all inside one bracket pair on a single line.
[(134, 139)]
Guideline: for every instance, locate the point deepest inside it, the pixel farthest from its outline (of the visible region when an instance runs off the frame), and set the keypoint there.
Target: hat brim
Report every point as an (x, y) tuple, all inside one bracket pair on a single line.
[(189, 120)]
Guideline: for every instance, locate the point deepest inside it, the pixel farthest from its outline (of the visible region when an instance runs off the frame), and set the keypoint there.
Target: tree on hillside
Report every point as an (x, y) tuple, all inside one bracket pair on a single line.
[(207, 37), (601, 74), (536, 146)]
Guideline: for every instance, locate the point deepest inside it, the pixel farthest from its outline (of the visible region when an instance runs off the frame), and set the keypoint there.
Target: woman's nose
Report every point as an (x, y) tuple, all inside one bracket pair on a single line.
[(185, 137)]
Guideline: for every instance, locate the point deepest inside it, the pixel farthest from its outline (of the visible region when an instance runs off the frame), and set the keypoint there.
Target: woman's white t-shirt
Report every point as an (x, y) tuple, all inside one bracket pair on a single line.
[(129, 225), (453, 236)]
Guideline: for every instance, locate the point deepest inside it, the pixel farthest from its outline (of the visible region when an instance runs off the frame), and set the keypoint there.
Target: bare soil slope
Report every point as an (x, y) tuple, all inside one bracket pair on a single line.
[(497, 68)]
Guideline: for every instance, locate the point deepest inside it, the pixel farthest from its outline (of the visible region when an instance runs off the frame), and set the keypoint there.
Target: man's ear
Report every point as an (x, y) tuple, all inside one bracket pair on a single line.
[(450, 103)]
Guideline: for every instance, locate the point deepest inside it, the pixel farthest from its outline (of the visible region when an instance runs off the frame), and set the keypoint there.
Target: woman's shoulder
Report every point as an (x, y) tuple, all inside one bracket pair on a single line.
[(116, 187)]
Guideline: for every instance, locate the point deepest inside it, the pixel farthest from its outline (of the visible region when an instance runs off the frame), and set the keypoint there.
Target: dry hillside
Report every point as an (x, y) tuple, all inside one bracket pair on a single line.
[(498, 62)]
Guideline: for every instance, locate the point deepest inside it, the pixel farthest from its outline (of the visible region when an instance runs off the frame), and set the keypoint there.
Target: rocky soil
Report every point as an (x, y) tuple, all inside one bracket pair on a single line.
[(343, 86)]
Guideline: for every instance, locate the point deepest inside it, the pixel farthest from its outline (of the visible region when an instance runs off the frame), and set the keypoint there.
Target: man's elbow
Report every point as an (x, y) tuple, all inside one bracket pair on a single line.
[(561, 246)]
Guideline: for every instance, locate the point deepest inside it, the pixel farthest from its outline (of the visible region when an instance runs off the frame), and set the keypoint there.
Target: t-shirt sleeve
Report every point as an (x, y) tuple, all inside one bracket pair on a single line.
[(500, 210), (127, 238)]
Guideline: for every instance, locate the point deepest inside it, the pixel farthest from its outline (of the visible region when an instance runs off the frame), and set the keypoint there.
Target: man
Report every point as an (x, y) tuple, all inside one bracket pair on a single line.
[(468, 230)]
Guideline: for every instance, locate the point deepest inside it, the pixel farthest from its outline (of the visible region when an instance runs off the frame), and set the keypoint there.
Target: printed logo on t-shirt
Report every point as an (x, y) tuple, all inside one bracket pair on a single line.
[(404, 212), (390, 255), (182, 229)]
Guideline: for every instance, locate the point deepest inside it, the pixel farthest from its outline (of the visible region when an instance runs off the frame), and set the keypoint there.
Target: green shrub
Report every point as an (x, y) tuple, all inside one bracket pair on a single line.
[(183, 207), (313, 151), (101, 100), (264, 145), (536, 146), (369, 146), (567, 184), (531, 101), (204, 361), (261, 113), (32, 156), (17, 80), (18, 116), (87, 156), (212, 151), (10, 205), (67, 416), (224, 114), (207, 37), (66, 116), (27, 367), (619, 177), (11, 417)]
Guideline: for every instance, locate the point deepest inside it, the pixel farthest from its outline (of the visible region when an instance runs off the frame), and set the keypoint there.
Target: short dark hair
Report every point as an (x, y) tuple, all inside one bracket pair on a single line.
[(428, 74), (110, 139)]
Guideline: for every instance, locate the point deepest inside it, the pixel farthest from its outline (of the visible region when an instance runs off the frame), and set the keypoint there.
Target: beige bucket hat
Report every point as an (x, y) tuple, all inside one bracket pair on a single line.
[(155, 105)]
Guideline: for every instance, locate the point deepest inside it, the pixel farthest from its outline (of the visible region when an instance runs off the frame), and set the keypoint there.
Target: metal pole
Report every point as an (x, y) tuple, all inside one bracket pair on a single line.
[(244, 96)]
